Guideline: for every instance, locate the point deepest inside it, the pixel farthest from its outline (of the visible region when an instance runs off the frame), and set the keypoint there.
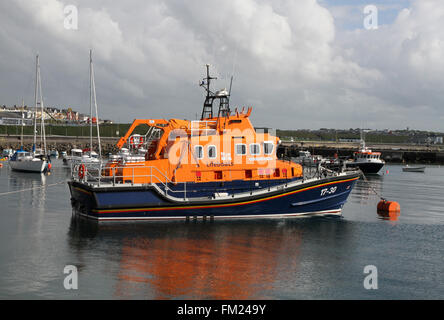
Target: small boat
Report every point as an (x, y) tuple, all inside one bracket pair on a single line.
[(36, 160), (366, 160), (408, 168), (217, 167)]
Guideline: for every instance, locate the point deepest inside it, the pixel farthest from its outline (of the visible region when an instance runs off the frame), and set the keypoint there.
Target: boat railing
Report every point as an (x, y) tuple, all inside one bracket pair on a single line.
[(92, 173)]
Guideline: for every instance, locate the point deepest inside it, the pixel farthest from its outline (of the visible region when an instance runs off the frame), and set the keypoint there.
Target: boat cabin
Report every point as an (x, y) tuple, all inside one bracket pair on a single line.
[(220, 147)]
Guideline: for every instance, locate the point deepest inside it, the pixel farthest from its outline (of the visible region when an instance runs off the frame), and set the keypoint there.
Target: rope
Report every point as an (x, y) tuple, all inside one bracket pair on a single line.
[(29, 189), (371, 187)]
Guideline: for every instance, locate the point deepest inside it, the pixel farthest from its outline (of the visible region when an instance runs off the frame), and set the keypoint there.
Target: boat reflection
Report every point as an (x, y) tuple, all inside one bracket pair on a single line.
[(206, 260), (32, 185)]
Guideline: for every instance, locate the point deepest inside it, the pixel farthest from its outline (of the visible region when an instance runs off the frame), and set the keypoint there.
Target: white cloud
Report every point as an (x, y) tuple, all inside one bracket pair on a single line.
[(289, 58)]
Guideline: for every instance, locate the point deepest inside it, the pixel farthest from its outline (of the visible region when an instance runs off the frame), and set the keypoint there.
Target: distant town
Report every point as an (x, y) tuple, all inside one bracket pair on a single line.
[(24, 115), (18, 115)]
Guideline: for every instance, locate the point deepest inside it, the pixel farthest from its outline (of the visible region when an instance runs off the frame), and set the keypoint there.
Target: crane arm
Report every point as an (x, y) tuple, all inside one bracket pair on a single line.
[(159, 123)]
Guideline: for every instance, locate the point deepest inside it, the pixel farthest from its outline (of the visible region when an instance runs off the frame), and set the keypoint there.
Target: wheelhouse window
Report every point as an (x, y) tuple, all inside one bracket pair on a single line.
[(198, 151), (211, 152), (268, 147), (241, 149), (255, 149)]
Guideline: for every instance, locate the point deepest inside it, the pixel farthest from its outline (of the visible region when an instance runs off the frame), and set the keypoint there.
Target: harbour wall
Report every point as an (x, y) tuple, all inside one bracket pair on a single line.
[(59, 143), (396, 153)]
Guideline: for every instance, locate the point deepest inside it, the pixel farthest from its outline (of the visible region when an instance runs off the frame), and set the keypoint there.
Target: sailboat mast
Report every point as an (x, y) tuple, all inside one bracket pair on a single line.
[(90, 102), (35, 107), (42, 120), (23, 116), (93, 85)]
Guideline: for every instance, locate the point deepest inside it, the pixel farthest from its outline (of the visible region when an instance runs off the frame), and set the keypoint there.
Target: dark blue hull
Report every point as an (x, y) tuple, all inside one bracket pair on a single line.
[(322, 196), (369, 168)]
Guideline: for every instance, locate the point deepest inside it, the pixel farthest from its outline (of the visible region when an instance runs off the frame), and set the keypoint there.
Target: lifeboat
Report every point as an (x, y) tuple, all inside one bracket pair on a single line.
[(219, 166)]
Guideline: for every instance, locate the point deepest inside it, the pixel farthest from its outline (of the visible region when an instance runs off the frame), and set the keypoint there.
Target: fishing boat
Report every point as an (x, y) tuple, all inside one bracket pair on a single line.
[(408, 168), (215, 167), (37, 159), (366, 160)]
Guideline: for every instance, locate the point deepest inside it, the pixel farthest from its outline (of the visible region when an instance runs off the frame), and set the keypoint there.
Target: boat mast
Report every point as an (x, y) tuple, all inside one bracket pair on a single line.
[(21, 132), (90, 103), (35, 107), (207, 111), (93, 96), (42, 108)]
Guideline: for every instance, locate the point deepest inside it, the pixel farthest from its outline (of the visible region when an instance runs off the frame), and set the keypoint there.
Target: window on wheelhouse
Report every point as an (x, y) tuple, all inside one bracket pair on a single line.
[(268, 147), (255, 149), (211, 152), (198, 151), (241, 149)]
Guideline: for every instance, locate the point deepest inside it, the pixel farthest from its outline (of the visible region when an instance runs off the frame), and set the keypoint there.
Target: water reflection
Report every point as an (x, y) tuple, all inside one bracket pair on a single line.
[(220, 260), (32, 184), (366, 190)]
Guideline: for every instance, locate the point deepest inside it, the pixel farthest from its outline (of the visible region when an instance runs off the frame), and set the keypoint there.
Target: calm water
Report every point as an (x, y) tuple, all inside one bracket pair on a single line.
[(298, 258)]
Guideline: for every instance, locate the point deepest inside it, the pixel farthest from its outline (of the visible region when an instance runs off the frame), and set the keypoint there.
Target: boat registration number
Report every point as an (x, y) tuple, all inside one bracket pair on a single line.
[(326, 191)]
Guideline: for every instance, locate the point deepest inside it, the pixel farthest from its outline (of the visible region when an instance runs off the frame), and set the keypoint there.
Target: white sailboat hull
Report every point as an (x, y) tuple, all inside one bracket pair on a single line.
[(28, 165)]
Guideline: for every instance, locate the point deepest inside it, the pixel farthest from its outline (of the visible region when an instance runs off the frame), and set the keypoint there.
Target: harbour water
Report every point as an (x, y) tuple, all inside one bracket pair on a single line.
[(293, 258)]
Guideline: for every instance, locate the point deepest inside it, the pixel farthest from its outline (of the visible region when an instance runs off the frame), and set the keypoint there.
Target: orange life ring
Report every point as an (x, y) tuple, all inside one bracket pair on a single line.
[(81, 171)]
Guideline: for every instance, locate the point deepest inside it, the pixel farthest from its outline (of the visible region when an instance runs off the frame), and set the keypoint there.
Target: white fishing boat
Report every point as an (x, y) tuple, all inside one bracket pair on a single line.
[(37, 159), (408, 168), (366, 160)]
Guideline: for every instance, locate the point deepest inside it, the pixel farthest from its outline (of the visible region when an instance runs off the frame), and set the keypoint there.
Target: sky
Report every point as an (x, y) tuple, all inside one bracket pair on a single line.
[(302, 64)]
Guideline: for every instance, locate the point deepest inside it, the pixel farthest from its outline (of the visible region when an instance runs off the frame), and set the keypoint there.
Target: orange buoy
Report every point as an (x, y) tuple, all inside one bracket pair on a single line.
[(388, 206), (49, 166), (389, 209)]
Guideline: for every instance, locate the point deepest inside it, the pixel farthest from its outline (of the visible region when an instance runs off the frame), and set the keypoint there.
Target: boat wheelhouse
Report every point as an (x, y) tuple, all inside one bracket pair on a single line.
[(215, 167)]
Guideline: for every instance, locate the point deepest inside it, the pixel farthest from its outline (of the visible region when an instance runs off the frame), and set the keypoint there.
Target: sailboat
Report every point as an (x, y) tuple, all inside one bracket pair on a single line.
[(89, 155), (35, 160)]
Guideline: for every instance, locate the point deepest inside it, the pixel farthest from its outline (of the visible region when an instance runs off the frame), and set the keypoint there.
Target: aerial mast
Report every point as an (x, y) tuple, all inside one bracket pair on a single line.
[(207, 111)]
